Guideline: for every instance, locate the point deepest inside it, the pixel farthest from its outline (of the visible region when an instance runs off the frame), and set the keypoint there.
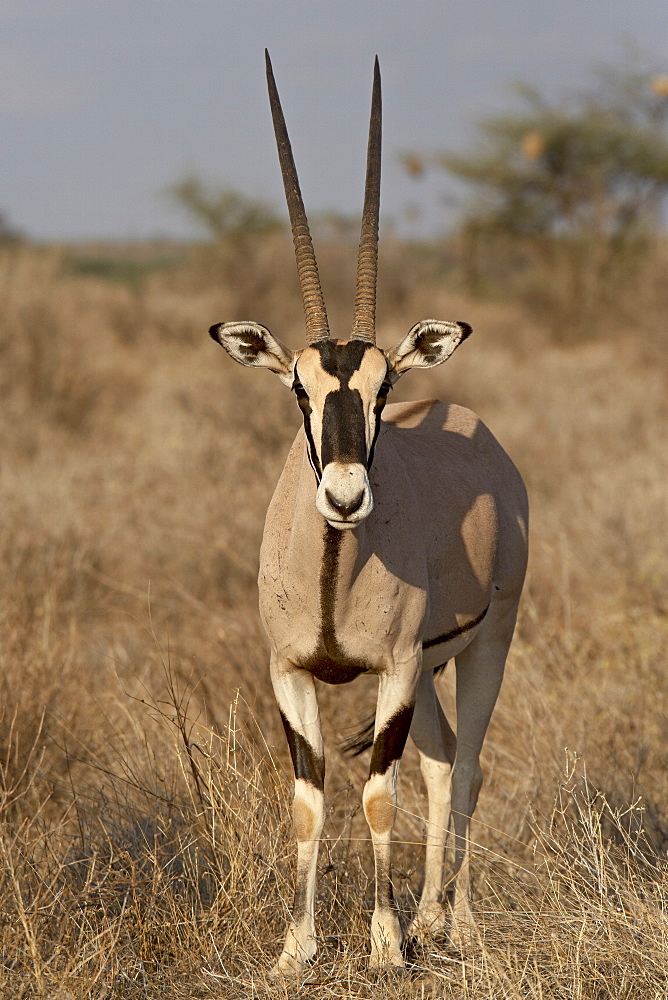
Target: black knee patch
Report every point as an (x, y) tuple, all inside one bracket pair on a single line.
[(307, 764), (391, 740)]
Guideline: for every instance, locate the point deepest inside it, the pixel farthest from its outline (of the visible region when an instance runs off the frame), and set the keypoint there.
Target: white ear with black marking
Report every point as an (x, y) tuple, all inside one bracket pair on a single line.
[(427, 344), (252, 345)]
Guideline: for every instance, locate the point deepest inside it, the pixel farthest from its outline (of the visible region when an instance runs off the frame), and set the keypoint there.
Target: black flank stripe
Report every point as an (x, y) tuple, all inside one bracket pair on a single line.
[(447, 636)]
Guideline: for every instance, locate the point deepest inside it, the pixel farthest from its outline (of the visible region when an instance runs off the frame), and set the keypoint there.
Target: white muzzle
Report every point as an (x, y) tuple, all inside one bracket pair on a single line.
[(344, 496)]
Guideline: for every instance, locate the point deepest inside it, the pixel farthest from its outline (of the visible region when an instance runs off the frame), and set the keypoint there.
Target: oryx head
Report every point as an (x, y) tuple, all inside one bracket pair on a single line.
[(341, 385)]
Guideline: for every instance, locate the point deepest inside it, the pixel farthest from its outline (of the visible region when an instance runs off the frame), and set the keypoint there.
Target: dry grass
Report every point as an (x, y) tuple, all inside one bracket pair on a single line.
[(145, 835)]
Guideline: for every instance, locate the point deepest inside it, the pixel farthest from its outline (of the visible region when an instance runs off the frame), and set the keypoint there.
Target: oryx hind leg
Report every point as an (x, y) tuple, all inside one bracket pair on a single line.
[(394, 711), (480, 668), (296, 697), (436, 744)]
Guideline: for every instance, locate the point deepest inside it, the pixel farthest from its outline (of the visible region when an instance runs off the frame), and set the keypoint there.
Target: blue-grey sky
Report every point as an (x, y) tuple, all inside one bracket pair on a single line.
[(103, 103)]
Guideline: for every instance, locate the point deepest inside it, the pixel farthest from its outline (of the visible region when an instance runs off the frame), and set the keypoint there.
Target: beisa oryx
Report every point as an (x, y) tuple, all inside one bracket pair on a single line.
[(395, 540)]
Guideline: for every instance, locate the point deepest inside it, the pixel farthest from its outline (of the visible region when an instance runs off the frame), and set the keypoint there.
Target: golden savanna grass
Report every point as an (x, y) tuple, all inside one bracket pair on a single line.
[(145, 838)]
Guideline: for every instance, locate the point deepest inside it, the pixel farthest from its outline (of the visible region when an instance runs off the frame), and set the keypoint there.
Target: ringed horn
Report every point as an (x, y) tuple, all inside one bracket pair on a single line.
[(364, 318)]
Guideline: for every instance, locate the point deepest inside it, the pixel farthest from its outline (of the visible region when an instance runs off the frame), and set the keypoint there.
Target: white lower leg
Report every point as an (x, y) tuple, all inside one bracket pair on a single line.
[(466, 781), (394, 713), (430, 916), (380, 806), (308, 817), (295, 694), (436, 744)]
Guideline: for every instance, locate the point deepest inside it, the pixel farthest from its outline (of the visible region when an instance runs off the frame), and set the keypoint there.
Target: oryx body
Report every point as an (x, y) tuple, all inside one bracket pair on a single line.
[(395, 539)]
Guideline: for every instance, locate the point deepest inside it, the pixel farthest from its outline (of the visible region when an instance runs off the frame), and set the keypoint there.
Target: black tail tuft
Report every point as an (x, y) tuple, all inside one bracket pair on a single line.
[(359, 741), (362, 739)]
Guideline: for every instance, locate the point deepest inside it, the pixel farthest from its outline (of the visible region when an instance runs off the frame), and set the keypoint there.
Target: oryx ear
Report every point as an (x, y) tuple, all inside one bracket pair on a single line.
[(428, 343), (252, 345)]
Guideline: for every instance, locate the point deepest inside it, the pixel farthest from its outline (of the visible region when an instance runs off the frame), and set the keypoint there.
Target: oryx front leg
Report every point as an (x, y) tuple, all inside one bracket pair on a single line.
[(295, 694), (394, 711)]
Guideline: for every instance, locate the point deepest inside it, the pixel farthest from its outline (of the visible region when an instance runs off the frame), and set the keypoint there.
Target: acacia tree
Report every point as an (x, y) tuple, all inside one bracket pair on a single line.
[(8, 232), (226, 215), (244, 241), (578, 186)]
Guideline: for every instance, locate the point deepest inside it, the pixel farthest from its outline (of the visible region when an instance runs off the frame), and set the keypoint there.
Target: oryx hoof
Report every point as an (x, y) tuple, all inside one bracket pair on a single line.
[(428, 923), (289, 967), (464, 935), (379, 974), (386, 960)]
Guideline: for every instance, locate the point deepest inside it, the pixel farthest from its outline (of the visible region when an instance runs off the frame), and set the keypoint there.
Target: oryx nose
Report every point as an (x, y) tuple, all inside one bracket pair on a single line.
[(345, 509)]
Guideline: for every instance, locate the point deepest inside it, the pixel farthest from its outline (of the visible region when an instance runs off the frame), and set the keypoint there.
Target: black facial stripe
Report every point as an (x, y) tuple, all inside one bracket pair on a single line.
[(389, 745), (305, 407), (377, 410), (343, 421), (343, 427), (341, 360), (312, 453), (307, 764), (381, 400)]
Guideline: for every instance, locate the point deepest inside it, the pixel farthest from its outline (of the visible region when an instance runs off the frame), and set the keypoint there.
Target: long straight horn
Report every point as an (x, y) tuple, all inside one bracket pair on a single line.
[(364, 319), (315, 313)]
